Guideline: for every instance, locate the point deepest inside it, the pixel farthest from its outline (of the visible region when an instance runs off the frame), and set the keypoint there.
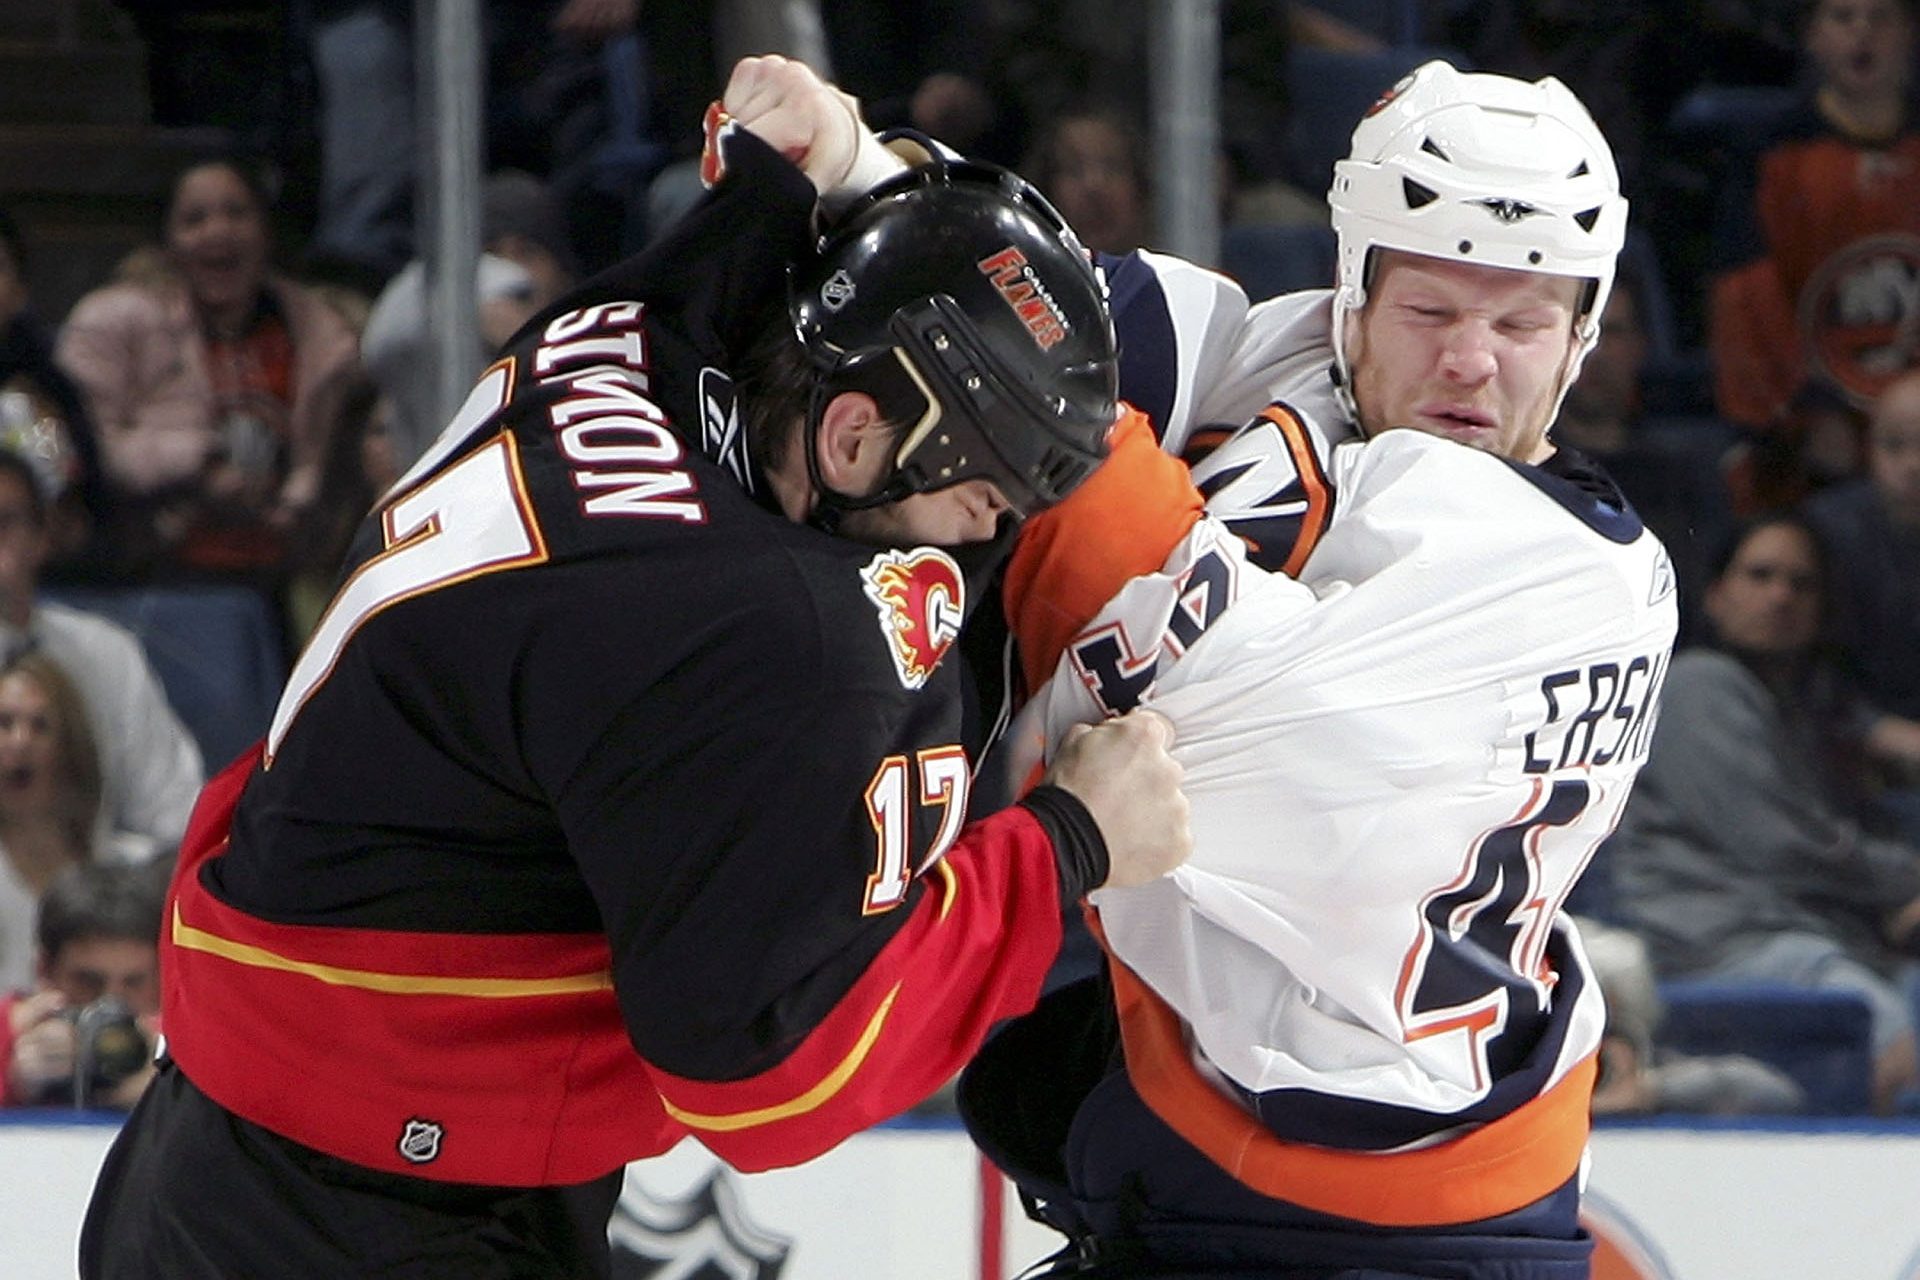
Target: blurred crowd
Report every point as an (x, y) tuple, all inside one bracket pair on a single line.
[(227, 406)]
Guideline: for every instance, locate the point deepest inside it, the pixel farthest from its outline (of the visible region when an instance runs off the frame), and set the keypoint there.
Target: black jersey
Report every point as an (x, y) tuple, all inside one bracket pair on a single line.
[(606, 804)]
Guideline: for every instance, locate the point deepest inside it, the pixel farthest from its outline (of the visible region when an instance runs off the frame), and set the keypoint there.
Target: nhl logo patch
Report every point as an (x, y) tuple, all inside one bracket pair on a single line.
[(838, 291), (921, 598), (420, 1141)]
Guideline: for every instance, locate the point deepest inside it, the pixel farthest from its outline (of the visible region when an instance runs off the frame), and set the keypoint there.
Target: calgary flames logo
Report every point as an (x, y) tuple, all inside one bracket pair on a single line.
[(1021, 288), (921, 598)]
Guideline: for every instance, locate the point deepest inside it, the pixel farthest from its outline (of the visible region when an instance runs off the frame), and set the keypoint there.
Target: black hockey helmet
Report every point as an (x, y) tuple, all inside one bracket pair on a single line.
[(959, 299)]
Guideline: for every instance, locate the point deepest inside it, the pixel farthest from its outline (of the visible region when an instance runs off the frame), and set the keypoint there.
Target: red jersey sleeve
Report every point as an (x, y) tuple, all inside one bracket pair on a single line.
[(975, 952)]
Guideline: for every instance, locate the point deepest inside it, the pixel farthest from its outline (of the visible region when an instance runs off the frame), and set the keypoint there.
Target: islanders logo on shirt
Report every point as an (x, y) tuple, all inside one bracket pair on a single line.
[(921, 599), (1859, 314)]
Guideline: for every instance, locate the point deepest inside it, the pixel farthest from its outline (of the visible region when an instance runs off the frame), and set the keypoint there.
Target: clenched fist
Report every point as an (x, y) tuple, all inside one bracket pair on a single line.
[(1122, 773), (809, 121)]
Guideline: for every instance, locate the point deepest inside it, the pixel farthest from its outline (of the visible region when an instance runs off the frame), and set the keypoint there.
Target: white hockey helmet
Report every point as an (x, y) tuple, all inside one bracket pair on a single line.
[(1471, 167)]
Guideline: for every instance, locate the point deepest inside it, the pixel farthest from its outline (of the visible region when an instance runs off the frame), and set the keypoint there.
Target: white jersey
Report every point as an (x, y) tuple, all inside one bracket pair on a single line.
[(1398, 766)]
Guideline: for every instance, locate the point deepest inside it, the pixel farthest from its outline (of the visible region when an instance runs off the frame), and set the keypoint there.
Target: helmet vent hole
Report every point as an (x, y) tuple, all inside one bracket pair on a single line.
[(1587, 219), (1533, 256), (1432, 148), (1416, 195), (1580, 170), (1466, 246)]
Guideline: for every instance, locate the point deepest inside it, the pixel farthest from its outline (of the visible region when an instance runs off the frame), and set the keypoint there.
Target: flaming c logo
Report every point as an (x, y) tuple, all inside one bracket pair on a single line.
[(921, 598)]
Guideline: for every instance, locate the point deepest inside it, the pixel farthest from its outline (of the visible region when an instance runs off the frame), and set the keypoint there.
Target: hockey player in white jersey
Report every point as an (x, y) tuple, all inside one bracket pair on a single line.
[(1355, 1036)]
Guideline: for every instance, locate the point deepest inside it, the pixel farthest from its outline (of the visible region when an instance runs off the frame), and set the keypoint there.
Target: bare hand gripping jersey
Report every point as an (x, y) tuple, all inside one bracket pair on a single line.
[(607, 805), (1398, 766)]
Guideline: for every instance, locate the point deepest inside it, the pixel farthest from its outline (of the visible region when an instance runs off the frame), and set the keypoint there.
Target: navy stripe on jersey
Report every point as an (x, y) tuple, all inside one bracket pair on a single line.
[(1149, 349), (1302, 1115), (1577, 483)]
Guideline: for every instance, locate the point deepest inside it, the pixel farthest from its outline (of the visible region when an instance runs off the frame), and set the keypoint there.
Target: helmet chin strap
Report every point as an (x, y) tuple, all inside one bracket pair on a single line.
[(1341, 371)]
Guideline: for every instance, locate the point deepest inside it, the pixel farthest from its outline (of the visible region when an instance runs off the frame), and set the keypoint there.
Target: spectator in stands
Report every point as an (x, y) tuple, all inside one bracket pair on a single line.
[(1090, 161), (42, 414), (1818, 440), (363, 66), (49, 797), (1872, 527), (554, 70), (1668, 467), (97, 960), (1817, 226), (526, 262), (150, 767), (201, 366), (362, 463), (1638, 1076), (1741, 854), (1049, 54), (921, 64)]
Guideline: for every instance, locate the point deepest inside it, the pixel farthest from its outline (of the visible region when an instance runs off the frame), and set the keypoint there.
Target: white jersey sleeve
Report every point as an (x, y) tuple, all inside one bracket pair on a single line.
[(1244, 394)]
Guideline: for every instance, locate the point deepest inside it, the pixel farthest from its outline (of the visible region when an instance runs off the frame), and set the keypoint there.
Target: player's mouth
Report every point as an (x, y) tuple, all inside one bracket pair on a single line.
[(1461, 422)]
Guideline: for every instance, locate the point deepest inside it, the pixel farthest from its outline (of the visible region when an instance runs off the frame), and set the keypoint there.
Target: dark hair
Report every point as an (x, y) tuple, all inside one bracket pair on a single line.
[(253, 175), (773, 385), (101, 900), (1041, 166), (515, 203), (76, 755), (1743, 533)]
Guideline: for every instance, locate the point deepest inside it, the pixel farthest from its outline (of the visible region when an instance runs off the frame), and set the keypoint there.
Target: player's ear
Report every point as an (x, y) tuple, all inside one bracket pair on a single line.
[(855, 443)]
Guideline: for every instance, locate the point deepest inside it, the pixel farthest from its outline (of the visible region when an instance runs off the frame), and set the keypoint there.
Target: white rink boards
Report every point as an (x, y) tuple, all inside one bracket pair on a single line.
[(1810, 1201)]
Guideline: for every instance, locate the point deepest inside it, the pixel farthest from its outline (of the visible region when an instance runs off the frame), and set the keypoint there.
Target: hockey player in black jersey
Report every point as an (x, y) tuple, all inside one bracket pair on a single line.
[(621, 794)]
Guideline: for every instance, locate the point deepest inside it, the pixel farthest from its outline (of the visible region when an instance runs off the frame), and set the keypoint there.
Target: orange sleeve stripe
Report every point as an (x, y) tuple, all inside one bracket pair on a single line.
[(1313, 482), (1072, 559), (1497, 1168)]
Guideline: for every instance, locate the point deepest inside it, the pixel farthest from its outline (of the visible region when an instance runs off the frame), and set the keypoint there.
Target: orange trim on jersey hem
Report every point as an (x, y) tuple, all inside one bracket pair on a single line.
[(190, 938), (1313, 482), (1497, 1168), (832, 1083)]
